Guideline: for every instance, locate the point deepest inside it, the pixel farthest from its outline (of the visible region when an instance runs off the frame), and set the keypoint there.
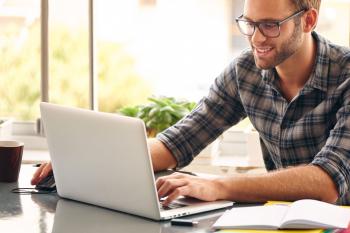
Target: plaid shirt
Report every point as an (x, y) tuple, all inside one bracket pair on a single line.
[(313, 128)]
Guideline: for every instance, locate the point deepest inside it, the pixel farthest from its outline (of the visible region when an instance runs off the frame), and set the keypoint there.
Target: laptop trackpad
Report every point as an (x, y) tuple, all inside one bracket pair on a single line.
[(185, 201)]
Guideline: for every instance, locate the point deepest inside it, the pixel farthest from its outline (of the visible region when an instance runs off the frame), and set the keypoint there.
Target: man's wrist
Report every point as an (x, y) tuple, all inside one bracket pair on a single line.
[(222, 189)]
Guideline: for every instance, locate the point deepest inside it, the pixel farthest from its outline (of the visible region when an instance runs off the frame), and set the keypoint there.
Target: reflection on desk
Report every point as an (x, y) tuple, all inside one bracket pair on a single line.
[(72, 216), (10, 205), (47, 213)]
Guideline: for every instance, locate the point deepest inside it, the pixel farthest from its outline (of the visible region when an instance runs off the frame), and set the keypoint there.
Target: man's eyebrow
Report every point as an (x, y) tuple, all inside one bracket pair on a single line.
[(261, 20)]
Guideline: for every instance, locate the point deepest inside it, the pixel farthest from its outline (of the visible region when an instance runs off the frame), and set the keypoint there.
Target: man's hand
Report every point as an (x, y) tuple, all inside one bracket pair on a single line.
[(178, 184), (289, 184), (41, 173)]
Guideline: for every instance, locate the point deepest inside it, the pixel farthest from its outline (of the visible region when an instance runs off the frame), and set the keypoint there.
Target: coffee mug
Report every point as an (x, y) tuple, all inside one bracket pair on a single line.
[(10, 160)]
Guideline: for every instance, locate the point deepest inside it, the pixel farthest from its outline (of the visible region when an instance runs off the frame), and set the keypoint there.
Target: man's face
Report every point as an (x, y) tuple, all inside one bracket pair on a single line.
[(270, 52)]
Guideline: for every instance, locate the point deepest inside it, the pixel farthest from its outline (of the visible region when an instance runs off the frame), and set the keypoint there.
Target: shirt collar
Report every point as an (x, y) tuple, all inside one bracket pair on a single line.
[(268, 76), (319, 77)]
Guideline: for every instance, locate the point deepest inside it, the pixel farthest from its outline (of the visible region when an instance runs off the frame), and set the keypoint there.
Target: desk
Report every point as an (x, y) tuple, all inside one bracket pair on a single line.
[(47, 213)]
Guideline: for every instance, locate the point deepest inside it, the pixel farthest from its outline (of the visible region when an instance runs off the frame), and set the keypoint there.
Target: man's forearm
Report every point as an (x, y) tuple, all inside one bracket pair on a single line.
[(162, 158), (285, 185)]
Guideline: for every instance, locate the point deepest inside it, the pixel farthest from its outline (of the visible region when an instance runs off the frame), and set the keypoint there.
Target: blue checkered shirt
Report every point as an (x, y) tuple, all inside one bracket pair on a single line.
[(313, 128)]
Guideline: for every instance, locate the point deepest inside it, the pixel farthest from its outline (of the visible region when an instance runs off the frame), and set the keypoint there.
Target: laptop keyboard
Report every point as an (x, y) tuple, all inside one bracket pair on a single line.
[(180, 202), (171, 206)]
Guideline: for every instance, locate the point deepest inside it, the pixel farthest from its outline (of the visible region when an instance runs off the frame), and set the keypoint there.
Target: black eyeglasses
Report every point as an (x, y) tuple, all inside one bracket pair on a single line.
[(270, 29)]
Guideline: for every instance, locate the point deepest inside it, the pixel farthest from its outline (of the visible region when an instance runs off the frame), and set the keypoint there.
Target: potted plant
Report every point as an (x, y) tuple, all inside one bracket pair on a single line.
[(160, 113)]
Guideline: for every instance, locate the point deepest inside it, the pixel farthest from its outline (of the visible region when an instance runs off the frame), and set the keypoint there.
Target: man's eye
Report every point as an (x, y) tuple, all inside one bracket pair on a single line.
[(249, 24), (268, 26)]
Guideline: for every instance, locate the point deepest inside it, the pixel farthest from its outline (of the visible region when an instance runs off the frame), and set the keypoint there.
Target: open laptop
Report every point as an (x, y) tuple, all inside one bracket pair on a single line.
[(103, 159)]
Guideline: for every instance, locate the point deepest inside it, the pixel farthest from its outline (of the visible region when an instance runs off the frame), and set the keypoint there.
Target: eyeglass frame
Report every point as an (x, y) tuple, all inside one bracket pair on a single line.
[(278, 23)]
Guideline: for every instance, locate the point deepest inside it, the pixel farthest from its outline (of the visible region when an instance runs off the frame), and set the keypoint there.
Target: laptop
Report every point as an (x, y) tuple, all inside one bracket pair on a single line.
[(103, 159)]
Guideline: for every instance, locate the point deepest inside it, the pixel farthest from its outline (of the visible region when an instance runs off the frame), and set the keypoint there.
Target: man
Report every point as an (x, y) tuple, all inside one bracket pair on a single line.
[(295, 88)]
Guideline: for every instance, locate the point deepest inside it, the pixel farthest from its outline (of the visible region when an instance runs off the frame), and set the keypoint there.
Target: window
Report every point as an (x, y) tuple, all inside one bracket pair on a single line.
[(143, 47), (20, 59), (334, 21), (174, 48), (69, 53)]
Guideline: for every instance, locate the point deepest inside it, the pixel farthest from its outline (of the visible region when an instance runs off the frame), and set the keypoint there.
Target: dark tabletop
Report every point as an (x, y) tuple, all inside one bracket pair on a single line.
[(41, 213)]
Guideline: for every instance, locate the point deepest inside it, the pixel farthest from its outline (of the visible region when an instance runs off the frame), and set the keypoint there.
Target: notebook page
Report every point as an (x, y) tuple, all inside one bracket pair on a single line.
[(316, 214), (260, 217)]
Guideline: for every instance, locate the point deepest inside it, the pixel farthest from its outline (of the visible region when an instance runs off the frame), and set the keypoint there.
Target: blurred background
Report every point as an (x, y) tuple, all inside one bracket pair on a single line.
[(143, 48)]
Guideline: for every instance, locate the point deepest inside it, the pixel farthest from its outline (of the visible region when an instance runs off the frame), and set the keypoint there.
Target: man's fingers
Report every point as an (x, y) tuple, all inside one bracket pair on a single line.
[(35, 178), (160, 181), (38, 171), (169, 185), (180, 191), (41, 173), (173, 186), (45, 172)]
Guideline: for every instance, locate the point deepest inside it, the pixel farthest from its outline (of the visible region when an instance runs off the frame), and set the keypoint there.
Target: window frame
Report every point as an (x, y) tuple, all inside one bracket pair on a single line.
[(24, 129), (93, 95), (32, 131), (93, 80)]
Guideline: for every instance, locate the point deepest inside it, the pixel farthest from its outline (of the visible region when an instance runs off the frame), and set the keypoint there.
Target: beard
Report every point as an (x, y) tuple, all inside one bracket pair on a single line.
[(287, 49)]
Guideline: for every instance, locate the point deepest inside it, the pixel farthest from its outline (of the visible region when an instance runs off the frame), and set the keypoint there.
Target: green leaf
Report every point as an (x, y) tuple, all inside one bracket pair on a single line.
[(154, 111), (167, 109), (129, 111), (162, 112)]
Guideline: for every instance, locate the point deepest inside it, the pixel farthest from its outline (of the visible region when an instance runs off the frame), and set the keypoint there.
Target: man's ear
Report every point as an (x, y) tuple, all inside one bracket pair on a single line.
[(310, 20)]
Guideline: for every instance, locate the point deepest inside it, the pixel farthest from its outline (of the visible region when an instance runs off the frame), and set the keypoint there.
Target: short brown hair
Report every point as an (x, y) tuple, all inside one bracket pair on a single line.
[(306, 4)]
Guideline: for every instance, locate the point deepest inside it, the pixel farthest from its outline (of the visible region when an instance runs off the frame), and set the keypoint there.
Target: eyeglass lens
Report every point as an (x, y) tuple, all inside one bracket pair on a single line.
[(267, 29)]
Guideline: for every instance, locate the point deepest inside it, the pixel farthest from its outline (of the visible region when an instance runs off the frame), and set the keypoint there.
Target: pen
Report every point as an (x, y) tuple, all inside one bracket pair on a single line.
[(183, 222)]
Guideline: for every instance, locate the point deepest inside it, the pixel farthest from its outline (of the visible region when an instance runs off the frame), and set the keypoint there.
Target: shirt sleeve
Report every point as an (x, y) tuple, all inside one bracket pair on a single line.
[(213, 114), (334, 158)]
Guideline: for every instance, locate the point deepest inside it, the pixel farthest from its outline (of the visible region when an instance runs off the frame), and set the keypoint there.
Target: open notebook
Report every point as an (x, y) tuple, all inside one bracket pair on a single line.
[(302, 214)]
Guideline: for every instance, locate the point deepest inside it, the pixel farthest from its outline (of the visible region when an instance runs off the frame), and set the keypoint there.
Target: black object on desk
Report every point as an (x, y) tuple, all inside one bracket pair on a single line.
[(183, 222), (46, 186)]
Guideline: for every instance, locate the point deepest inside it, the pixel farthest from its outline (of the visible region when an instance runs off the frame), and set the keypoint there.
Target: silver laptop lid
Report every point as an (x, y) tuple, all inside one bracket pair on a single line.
[(101, 158)]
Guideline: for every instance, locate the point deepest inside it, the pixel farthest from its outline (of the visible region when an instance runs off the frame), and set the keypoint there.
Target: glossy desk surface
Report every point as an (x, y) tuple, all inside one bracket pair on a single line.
[(41, 213)]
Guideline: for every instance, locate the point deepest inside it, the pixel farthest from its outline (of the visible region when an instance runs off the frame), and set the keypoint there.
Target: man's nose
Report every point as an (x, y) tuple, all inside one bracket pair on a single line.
[(257, 36)]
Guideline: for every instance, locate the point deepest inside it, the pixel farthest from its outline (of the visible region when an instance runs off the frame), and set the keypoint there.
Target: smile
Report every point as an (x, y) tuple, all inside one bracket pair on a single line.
[(262, 51)]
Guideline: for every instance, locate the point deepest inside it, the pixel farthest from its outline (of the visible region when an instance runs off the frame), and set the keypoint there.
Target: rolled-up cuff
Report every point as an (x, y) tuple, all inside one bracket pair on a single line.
[(182, 158), (337, 168)]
